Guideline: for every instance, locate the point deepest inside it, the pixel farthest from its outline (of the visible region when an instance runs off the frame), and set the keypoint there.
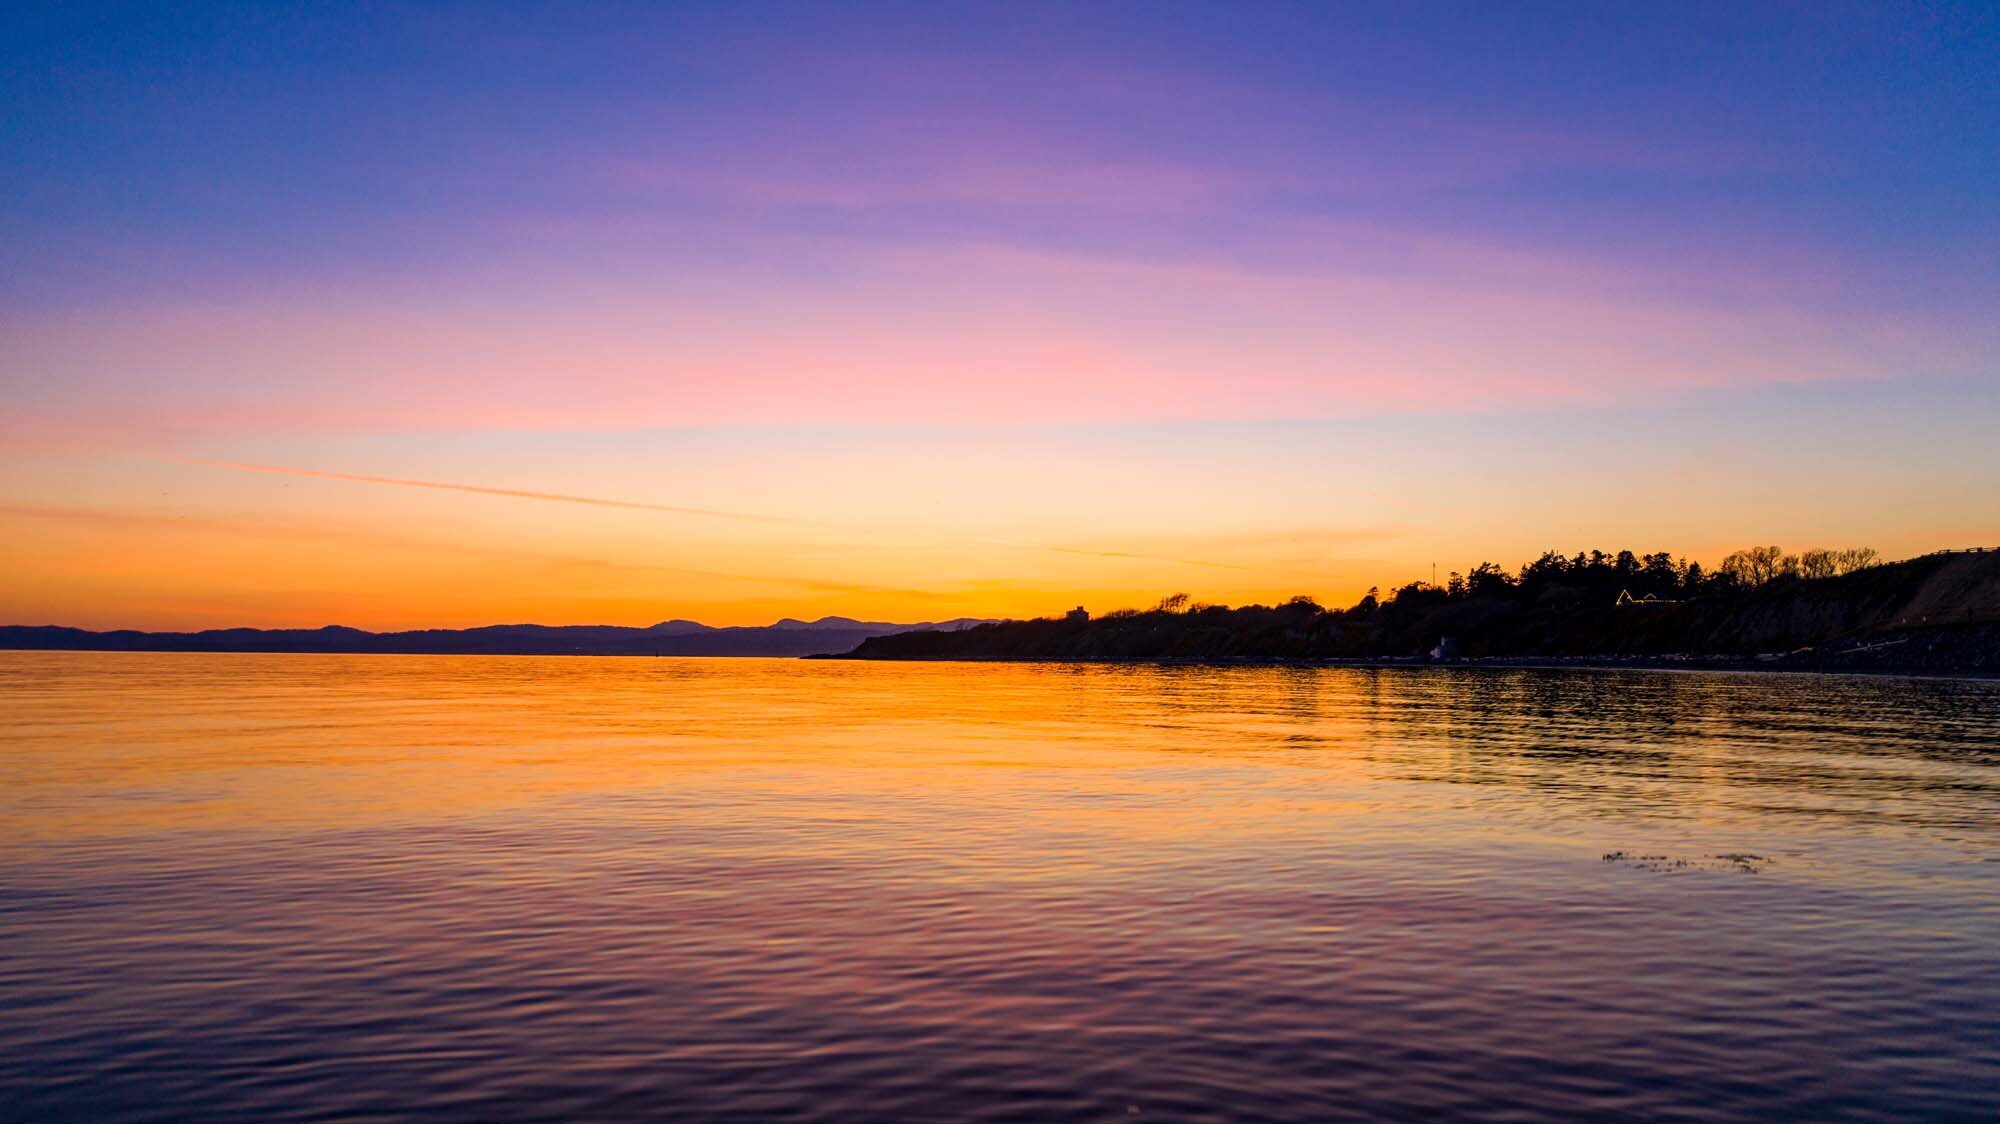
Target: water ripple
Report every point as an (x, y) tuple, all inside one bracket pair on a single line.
[(307, 887)]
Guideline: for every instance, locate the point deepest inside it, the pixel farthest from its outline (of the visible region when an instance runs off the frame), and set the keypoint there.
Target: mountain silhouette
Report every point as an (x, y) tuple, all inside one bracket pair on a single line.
[(787, 637)]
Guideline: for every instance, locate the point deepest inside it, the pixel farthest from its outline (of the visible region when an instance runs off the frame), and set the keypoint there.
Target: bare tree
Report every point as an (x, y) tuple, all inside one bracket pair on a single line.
[(1855, 558), (1757, 565), (1760, 564), (1825, 563), (1769, 562)]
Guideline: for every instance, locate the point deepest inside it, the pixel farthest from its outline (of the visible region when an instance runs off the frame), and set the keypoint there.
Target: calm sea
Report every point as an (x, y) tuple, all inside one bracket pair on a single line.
[(316, 887)]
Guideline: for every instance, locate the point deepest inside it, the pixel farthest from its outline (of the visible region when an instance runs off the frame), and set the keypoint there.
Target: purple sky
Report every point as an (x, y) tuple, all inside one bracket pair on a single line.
[(717, 256)]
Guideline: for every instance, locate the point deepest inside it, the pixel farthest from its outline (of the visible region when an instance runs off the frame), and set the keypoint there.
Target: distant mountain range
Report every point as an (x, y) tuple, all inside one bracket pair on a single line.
[(788, 637)]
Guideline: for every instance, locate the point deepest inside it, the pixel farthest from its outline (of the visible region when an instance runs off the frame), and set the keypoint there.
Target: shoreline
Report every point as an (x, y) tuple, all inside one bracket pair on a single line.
[(1732, 664), (1720, 664)]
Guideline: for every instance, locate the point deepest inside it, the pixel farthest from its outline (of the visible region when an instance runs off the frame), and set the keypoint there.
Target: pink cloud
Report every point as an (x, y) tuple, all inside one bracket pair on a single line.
[(1354, 320)]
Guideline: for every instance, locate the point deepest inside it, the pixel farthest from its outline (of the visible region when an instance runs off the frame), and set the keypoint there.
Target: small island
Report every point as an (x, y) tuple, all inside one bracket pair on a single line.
[(1824, 610)]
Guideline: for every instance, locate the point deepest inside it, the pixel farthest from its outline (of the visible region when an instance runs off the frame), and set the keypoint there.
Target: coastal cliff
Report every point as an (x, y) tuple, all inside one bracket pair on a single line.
[(1939, 612)]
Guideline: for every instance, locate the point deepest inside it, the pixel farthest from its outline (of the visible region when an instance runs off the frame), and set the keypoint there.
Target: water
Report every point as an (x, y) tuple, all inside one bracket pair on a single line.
[(290, 887)]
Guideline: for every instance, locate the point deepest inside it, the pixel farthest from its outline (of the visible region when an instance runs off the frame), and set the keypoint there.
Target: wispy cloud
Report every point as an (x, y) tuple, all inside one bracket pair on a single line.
[(484, 490), (1146, 557), (673, 509), (154, 522)]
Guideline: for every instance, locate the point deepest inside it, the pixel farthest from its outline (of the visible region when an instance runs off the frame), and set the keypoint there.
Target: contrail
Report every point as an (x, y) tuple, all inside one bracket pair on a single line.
[(1135, 556), (634, 505), (1146, 557), (226, 526), (477, 489)]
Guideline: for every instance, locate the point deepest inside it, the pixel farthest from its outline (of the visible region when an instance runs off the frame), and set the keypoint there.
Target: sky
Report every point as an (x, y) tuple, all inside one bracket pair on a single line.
[(441, 315)]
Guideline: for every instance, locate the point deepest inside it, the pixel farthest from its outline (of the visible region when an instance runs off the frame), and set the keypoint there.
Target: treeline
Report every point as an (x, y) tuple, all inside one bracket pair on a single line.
[(1585, 576), (1658, 575), (1587, 604), (1760, 564)]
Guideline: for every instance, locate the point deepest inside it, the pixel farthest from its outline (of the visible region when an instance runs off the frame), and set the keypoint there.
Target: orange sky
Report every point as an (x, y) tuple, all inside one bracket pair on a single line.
[(970, 310), (905, 525)]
